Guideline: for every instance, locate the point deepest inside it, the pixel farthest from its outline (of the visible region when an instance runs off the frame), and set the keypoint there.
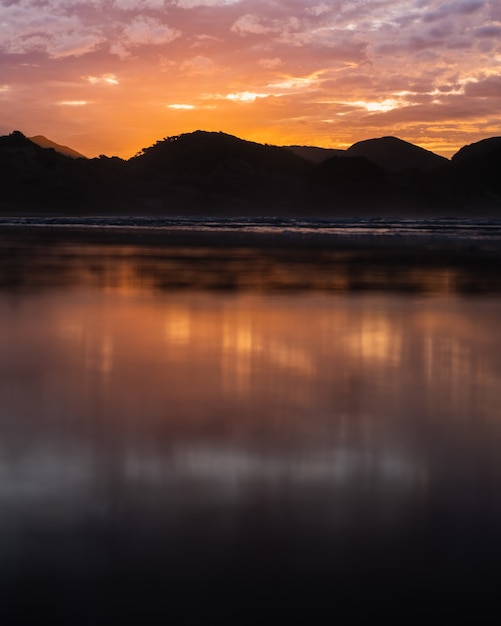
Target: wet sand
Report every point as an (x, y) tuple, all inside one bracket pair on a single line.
[(179, 258), (116, 564)]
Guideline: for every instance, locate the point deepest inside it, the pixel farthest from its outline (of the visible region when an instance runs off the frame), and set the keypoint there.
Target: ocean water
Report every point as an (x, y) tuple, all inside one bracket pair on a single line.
[(188, 425), (443, 228)]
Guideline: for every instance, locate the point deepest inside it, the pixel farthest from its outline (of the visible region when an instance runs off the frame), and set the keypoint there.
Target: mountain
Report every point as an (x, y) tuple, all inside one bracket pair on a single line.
[(23, 159), (475, 170), (216, 171), (317, 155), (33, 178), (43, 142), (202, 153), (396, 155), (390, 153), (208, 173), (486, 148), (31, 175)]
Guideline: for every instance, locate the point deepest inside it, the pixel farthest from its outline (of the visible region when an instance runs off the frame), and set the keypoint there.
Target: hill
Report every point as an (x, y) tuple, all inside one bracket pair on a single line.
[(475, 170), (43, 142), (485, 148), (30, 174), (201, 153), (215, 173), (33, 178), (317, 155), (395, 155)]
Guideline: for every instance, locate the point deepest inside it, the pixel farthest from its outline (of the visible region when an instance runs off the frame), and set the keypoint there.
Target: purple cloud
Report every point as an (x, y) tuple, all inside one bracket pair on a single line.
[(487, 88)]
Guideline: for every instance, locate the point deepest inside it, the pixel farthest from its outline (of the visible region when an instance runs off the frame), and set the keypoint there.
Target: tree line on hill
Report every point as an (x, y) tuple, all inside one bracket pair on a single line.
[(214, 173)]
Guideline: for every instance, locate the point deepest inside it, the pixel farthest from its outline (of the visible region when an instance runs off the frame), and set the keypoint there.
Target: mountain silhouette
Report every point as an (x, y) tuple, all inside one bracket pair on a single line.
[(395, 155), (317, 155), (31, 175), (34, 178), (216, 173), (475, 171), (486, 148), (43, 142), (202, 153)]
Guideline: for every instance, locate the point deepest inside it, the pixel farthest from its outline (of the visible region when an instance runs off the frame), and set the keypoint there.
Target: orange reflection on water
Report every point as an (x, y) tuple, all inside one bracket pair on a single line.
[(245, 411), (359, 355), (309, 382), (127, 269), (197, 421), (376, 339)]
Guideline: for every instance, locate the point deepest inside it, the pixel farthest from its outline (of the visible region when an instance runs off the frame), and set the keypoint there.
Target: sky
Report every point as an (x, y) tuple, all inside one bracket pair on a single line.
[(114, 76)]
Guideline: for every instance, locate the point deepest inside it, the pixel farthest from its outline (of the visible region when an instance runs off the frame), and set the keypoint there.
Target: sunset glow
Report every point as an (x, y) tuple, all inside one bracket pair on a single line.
[(111, 77)]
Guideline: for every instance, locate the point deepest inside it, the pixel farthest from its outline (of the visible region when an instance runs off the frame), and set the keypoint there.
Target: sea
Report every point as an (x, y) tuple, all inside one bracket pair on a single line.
[(445, 227), (230, 417)]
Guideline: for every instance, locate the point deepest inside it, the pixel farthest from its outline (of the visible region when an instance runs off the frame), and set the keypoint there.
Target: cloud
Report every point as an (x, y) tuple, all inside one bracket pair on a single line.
[(200, 65), (142, 31), (318, 9), (25, 29), (250, 25), (487, 88), (456, 8), (106, 79), (135, 5), (270, 63), (293, 83), (70, 44), (70, 28), (290, 30), (488, 32), (73, 103), (245, 96), (494, 10), (191, 4), (387, 104), (148, 30)]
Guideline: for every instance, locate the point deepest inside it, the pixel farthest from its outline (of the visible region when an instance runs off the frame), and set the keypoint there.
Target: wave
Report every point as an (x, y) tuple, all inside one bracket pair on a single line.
[(450, 228)]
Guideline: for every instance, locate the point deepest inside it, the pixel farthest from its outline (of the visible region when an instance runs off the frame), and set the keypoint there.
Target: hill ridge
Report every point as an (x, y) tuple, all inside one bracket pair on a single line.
[(44, 142), (395, 154), (208, 172)]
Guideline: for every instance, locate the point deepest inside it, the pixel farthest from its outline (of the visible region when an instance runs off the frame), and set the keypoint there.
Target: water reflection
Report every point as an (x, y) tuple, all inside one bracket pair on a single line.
[(287, 437), (43, 264)]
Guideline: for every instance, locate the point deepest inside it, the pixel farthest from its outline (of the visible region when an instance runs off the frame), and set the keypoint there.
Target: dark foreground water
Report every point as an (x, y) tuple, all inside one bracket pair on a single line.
[(200, 431)]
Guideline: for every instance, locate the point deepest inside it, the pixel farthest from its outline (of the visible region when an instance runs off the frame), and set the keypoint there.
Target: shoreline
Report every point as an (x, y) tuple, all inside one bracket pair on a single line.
[(279, 238)]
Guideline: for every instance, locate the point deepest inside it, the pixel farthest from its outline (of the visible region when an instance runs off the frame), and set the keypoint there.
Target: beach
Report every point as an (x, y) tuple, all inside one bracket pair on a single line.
[(208, 417)]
